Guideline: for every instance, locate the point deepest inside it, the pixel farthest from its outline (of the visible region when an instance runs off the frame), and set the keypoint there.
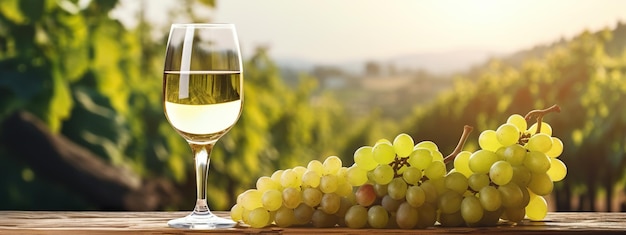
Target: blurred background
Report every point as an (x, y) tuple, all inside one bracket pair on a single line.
[(82, 125)]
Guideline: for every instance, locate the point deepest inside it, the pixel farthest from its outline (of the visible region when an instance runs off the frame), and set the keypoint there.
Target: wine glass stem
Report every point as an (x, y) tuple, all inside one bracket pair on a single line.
[(202, 155)]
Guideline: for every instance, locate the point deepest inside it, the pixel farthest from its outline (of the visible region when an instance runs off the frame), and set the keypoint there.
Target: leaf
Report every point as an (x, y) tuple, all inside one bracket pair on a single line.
[(32, 9), (60, 104)]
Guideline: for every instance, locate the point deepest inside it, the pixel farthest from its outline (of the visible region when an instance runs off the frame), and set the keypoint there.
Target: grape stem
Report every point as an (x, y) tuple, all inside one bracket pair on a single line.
[(540, 113), (459, 147)]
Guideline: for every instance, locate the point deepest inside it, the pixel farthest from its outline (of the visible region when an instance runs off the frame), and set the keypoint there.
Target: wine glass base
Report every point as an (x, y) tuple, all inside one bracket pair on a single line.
[(201, 221)]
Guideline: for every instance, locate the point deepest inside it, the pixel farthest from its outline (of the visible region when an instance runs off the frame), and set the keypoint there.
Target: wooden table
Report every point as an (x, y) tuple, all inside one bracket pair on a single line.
[(68, 223)]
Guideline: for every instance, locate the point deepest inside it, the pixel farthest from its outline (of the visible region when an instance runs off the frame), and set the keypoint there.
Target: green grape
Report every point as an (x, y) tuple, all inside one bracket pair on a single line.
[(236, 212), (514, 214), (430, 191), (321, 219), (557, 148), (331, 165), (490, 198), (490, 218), (342, 176), (396, 189), (415, 196), (539, 142), (525, 195), (420, 158), (403, 145), (380, 189), (329, 183), (311, 196), (245, 216), (344, 189), (364, 159), (518, 121), (500, 153), (284, 217), (311, 178), (265, 183), (377, 216), (511, 195), (272, 200), (507, 134), (477, 181), (356, 176), (303, 214), (383, 174), (451, 220), (277, 175), (521, 175), (289, 178), (488, 140), (537, 162), (427, 144), (435, 170), (258, 218), (412, 175), (501, 172), (456, 182), (391, 204), (515, 154), (316, 166), (406, 216), (427, 216), (440, 185), (343, 209), (356, 217), (545, 128), (383, 141), (437, 156), (291, 197), (250, 199), (299, 170), (540, 184), (450, 202), (330, 203), (537, 208), (461, 163), (471, 209), (557, 170), (481, 161), (383, 153)]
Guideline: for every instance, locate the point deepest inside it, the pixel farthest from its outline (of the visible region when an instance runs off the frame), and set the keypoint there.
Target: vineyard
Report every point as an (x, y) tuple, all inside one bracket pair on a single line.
[(97, 84)]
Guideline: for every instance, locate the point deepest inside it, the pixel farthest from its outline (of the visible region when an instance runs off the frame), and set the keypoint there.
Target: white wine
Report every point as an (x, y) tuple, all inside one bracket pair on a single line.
[(202, 105)]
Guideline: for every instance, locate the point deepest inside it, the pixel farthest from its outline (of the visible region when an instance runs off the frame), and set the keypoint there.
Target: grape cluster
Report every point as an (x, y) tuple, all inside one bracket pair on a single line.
[(508, 177), (316, 194), (401, 184)]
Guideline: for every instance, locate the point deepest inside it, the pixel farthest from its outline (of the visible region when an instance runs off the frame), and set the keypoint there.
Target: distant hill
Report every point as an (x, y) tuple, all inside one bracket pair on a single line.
[(442, 63)]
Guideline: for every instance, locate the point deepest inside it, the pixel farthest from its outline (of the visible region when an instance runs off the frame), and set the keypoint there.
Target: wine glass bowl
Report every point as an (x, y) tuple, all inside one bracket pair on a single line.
[(202, 100)]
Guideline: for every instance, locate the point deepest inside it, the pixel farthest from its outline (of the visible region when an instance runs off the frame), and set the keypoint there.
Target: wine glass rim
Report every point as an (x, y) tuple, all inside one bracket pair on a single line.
[(203, 25)]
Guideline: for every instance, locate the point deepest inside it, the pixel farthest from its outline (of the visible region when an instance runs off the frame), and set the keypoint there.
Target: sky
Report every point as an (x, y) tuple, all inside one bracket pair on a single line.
[(330, 31)]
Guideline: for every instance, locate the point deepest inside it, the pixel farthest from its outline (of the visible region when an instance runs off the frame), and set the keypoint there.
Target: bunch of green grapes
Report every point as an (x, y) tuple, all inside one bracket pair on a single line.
[(400, 184), (396, 184), (507, 178), (316, 194)]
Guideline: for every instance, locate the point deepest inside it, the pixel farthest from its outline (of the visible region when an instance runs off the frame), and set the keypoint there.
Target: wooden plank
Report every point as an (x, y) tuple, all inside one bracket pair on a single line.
[(68, 223)]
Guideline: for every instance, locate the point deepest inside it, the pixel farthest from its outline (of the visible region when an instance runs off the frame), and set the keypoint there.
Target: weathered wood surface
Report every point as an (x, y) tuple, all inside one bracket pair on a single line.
[(69, 223)]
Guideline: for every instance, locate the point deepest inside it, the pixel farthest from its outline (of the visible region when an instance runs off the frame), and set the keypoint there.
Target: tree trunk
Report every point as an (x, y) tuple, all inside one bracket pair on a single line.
[(60, 160)]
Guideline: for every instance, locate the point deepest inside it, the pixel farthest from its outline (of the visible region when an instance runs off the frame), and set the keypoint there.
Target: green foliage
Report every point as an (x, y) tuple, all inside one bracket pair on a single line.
[(99, 84), (581, 76)]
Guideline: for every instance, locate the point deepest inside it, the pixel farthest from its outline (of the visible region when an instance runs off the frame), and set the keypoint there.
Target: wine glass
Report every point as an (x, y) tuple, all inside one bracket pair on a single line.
[(202, 100)]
